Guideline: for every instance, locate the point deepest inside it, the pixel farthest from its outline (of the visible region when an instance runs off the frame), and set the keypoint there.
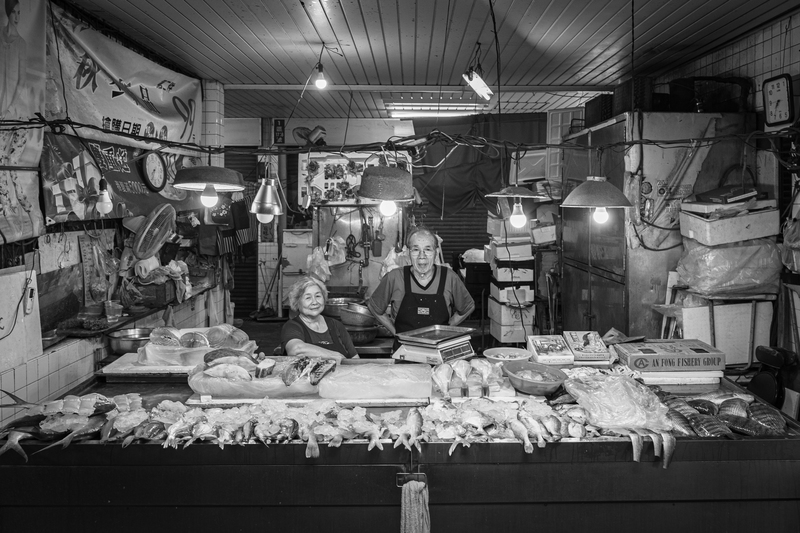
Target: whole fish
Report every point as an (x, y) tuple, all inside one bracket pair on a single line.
[(711, 426), (743, 425), (94, 425), (576, 429), (718, 396), (636, 440), (372, 431), (680, 405), (734, 406), (441, 375), (288, 429), (521, 433), (534, 427), (462, 369), (680, 424), (655, 437), (412, 431), (669, 447), (768, 417), (177, 432), (136, 433), (312, 447), (704, 407), (462, 438), (553, 425)]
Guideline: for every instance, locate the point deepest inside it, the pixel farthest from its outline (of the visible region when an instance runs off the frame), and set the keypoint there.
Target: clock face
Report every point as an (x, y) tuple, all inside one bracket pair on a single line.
[(778, 100), (155, 171)]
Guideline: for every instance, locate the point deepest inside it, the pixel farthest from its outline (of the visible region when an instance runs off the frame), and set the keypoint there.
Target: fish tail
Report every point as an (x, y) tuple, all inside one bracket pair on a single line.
[(312, 448), (528, 446), (48, 447), (17, 400), (669, 448), (128, 440), (636, 441), (14, 445), (336, 441)]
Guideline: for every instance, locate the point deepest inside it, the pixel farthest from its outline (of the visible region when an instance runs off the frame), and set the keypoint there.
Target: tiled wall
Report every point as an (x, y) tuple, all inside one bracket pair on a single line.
[(214, 118), (769, 51), (72, 361)]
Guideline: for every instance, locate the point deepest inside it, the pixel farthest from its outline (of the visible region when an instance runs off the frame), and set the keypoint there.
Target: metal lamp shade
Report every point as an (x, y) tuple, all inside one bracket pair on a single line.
[(386, 183), (596, 192), (267, 201), (196, 179)]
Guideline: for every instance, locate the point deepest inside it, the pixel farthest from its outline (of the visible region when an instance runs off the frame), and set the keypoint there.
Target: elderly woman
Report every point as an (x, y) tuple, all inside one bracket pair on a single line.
[(310, 333)]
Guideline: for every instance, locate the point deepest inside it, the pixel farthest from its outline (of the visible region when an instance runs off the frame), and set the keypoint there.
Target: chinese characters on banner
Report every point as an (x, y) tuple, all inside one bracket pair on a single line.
[(110, 87)]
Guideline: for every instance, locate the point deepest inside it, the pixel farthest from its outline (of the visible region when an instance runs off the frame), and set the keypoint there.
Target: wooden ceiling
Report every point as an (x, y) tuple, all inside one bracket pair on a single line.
[(380, 55)]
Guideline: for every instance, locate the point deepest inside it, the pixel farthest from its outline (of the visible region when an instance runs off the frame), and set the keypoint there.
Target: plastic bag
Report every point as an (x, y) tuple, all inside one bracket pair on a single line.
[(747, 267), (269, 387), (372, 380), (619, 402), (790, 251), (337, 251), (317, 265)]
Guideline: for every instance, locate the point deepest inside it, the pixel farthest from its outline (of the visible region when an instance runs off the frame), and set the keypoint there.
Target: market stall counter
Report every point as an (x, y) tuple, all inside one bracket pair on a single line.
[(712, 484)]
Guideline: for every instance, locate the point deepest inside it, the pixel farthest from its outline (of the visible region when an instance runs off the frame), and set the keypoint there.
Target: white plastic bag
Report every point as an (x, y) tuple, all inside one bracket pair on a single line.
[(371, 380), (317, 265), (271, 386), (619, 402)]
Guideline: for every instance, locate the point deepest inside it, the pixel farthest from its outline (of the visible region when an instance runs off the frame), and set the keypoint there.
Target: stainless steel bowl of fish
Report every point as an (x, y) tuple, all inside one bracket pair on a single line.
[(533, 378)]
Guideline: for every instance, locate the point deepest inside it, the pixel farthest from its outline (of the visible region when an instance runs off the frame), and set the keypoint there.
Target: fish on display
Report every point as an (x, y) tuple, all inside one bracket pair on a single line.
[(680, 424), (680, 405), (769, 417), (718, 396), (669, 448), (734, 406), (320, 369), (653, 436), (743, 425), (411, 433), (711, 426), (705, 407), (92, 425), (294, 370), (534, 427), (12, 442), (521, 433), (441, 375)]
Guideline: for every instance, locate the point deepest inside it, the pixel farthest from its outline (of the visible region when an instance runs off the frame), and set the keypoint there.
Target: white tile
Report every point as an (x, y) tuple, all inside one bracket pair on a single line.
[(44, 366), (21, 376), (44, 388), (33, 370), (22, 392), (53, 382), (7, 381)]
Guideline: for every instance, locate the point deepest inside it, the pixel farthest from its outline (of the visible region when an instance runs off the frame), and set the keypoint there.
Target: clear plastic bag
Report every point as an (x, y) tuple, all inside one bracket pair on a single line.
[(317, 265), (372, 380), (741, 268), (790, 251), (269, 387), (619, 402)]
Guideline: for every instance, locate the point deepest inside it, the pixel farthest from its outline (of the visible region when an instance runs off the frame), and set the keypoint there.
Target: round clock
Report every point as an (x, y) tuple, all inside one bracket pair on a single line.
[(778, 100), (154, 171)]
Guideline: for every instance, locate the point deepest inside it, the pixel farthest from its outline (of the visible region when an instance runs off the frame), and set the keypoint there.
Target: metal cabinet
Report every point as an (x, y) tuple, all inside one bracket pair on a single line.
[(613, 273)]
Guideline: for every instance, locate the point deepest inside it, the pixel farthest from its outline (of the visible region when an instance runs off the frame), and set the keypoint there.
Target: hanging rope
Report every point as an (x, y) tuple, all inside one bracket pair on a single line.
[(415, 516)]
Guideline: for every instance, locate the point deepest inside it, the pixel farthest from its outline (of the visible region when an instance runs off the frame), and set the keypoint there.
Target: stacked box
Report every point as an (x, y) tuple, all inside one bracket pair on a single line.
[(512, 288)]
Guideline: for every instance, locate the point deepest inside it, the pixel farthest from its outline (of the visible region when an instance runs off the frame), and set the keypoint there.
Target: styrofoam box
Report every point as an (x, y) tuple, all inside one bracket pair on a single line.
[(501, 228), (519, 275), (524, 294), (710, 207), (726, 230), (731, 328), (504, 333), (511, 250), (544, 234), (511, 315)]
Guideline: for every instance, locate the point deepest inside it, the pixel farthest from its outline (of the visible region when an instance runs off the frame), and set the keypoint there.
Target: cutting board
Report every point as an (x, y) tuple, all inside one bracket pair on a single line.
[(23, 341)]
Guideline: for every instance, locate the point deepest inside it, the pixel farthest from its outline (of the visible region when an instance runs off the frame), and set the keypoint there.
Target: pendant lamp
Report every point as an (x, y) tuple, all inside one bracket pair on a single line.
[(389, 184), (597, 193), (210, 181), (267, 202)]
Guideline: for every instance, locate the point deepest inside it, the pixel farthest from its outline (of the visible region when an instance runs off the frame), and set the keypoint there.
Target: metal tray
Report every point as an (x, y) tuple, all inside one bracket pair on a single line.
[(433, 335)]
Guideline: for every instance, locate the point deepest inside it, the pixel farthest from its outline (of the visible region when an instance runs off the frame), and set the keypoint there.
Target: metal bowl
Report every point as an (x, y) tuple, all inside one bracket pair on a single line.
[(125, 341), (362, 335), (334, 305), (351, 316)]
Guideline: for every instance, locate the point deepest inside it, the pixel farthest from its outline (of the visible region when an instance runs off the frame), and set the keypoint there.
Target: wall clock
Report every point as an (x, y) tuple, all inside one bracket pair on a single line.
[(778, 100), (154, 171)]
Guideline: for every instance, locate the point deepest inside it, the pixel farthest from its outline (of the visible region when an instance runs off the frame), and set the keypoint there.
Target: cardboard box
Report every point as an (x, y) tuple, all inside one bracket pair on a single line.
[(550, 350), (586, 345), (544, 233), (753, 225), (501, 228), (670, 355), (511, 315), (515, 294), (505, 333)]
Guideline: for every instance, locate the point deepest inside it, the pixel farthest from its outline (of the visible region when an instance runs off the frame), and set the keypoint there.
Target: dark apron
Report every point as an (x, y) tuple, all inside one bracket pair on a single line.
[(421, 310), (336, 343)]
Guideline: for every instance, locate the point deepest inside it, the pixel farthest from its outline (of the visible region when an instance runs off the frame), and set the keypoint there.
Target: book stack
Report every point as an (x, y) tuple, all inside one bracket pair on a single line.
[(682, 365), (579, 348), (510, 254)]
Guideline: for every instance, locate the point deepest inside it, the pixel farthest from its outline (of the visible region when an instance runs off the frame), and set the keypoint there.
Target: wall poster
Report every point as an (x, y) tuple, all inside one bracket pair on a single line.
[(22, 82)]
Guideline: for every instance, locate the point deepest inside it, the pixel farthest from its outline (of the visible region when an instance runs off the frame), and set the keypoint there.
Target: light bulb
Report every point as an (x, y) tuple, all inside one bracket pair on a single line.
[(600, 215), (321, 82), (104, 205), (517, 218), (209, 196), (388, 208), (265, 219)]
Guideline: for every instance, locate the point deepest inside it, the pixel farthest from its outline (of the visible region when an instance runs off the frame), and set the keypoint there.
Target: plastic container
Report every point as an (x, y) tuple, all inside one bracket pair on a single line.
[(113, 311), (535, 388), (504, 355)]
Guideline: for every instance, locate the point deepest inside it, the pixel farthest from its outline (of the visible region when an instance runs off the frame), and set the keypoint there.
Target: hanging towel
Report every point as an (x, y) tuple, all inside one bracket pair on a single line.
[(415, 516)]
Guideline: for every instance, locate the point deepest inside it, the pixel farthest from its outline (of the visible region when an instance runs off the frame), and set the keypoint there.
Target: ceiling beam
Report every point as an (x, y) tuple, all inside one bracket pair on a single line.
[(423, 88)]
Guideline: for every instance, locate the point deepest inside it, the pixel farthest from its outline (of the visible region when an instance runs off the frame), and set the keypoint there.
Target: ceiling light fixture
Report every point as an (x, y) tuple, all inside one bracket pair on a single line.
[(209, 181), (267, 202), (420, 114), (320, 82), (473, 76), (597, 193)]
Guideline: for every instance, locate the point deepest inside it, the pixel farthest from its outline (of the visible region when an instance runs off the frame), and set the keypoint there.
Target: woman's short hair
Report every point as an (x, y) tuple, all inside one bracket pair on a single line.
[(422, 231), (10, 5), (297, 291)]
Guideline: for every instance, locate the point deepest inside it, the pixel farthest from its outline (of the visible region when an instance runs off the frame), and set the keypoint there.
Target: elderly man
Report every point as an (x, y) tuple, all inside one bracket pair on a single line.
[(423, 294)]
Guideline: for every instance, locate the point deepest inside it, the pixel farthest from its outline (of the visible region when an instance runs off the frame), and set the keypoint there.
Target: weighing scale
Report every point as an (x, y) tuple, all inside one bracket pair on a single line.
[(434, 344)]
